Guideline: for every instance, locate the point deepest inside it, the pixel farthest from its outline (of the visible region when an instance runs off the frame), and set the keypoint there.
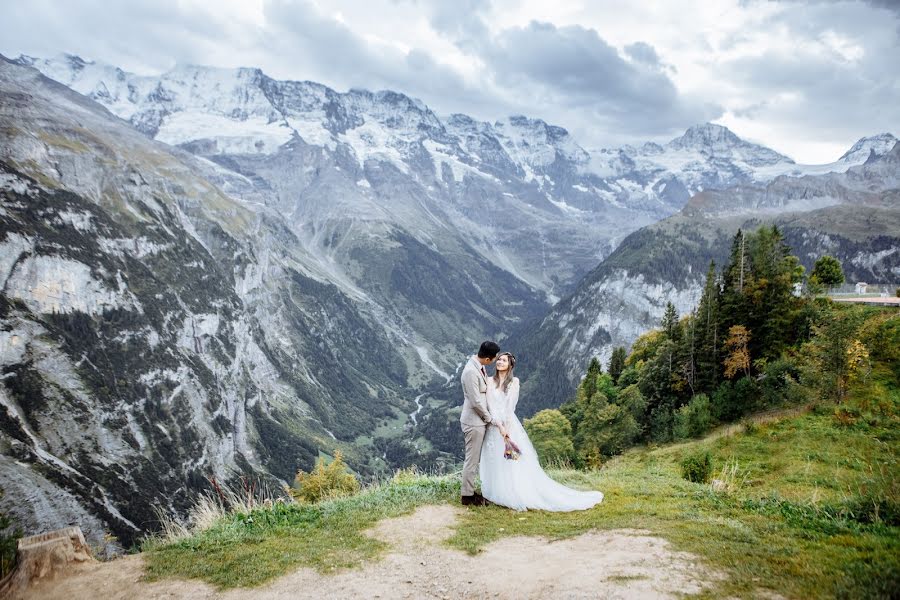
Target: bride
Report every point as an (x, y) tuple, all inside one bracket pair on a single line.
[(519, 484)]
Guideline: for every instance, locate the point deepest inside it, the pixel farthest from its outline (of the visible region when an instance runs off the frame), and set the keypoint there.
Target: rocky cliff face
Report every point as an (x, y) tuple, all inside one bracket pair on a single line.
[(154, 332)]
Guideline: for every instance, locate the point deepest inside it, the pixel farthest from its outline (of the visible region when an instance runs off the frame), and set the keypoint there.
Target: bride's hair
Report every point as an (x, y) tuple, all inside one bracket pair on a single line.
[(507, 379)]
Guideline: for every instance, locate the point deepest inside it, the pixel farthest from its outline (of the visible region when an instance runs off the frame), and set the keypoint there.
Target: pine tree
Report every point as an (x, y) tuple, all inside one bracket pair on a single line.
[(658, 376), (670, 322), (617, 363), (827, 271), (735, 276), (589, 383), (574, 409), (707, 316), (687, 353), (769, 294)]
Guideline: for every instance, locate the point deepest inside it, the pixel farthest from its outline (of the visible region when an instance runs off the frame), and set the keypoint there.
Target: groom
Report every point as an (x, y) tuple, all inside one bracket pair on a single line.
[(475, 417)]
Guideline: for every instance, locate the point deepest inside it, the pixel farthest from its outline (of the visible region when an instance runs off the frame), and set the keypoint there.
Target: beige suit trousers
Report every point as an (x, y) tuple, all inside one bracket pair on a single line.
[(474, 435)]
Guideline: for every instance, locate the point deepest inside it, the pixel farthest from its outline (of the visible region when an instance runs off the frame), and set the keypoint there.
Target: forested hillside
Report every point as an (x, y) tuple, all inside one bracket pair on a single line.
[(753, 342)]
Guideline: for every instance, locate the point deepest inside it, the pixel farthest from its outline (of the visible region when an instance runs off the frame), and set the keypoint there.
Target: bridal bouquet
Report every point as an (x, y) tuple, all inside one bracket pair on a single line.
[(511, 451)]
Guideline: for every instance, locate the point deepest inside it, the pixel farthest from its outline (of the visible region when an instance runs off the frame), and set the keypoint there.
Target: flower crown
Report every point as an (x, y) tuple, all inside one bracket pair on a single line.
[(512, 358)]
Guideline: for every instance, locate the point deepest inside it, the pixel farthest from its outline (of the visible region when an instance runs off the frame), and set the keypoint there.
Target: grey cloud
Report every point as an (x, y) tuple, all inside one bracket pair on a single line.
[(461, 21), (580, 70), (832, 97), (335, 53), (890, 5), (642, 52), (137, 34)]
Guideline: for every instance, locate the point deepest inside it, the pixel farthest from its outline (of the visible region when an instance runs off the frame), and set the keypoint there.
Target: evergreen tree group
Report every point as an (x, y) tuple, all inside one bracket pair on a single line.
[(746, 346)]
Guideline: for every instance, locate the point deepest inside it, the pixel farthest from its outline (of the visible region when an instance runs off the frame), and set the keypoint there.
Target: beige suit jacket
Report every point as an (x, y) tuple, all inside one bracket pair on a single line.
[(474, 384)]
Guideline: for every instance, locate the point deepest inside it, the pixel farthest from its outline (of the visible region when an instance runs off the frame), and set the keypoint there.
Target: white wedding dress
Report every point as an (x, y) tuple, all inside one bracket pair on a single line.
[(521, 484)]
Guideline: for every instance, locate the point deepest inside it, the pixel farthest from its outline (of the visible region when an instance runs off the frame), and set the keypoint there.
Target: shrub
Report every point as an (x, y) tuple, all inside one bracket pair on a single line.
[(696, 467), (845, 416), (692, 419), (732, 400), (325, 481), (551, 434), (629, 376), (407, 476), (779, 384), (607, 429), (9, 537), (661, 424), (722, 406)]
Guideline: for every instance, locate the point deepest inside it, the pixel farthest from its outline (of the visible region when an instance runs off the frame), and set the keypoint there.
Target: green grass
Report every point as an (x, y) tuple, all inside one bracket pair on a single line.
[(814, 512), (250, 549), (811, 510)]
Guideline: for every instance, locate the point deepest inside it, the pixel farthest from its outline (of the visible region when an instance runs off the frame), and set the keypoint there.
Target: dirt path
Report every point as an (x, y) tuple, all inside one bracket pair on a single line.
[(609, 564)]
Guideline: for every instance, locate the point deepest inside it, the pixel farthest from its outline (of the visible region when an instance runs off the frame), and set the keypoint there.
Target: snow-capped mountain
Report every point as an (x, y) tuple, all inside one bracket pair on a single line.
[(869, 147), (504, 185), (220, 114)]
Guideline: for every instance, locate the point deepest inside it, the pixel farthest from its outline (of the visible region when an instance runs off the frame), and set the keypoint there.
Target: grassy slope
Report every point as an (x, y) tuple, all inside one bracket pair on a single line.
[(797, 517), (791, 521), (250, 549)]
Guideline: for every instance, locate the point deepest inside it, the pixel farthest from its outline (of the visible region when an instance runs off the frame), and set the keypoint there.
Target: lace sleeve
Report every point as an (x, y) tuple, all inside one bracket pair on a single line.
[(495, 404), (512, 397)]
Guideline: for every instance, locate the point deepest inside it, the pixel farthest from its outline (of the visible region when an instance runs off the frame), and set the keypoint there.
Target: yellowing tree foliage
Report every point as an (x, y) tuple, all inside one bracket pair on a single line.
[(738, 359)]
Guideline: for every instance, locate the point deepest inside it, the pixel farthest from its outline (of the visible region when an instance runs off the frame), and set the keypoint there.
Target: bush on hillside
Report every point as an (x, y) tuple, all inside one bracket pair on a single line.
[(628, 377), (325, 481), (551, 433), (607, 429), (696, 467), (779, 384), (693, 419), (661, 424), (9, 537), (732, 400)]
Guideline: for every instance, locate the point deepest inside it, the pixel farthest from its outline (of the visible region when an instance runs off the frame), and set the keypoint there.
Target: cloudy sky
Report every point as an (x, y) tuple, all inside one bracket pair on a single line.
[(805, 78)]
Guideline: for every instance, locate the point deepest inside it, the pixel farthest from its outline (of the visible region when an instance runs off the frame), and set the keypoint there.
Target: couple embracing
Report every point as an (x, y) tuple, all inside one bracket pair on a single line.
[(498, 447)]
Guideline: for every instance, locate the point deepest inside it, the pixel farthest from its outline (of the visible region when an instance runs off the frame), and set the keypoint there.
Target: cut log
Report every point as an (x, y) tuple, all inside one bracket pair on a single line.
[(45, 556)]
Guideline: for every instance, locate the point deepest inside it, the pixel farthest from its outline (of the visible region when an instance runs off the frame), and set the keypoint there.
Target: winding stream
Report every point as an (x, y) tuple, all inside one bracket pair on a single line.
[(413, 415)]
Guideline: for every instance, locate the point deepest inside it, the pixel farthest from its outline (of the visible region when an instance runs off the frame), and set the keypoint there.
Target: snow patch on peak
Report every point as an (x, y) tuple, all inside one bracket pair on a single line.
[(535, 143), (706, 135), (716, 140), (250, 136), (859, 153)]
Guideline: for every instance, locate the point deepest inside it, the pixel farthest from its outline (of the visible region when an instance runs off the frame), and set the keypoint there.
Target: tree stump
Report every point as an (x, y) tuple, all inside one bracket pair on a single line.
[(43, 556)]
